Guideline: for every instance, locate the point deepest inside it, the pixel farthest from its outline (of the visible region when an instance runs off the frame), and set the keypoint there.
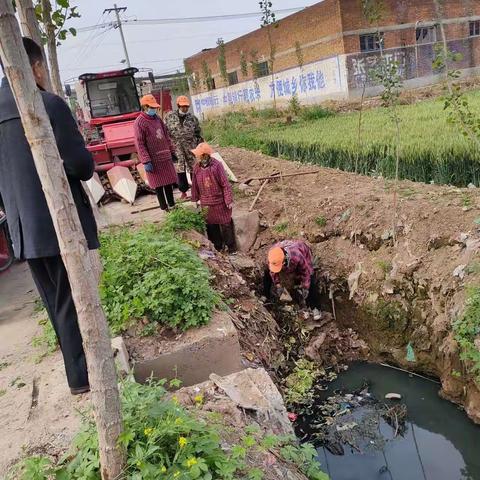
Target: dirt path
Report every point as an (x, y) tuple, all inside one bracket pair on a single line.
[(53, 420)]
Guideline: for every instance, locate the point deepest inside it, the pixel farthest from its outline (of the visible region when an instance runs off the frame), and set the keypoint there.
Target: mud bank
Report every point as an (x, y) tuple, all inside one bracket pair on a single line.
[(400, 291)]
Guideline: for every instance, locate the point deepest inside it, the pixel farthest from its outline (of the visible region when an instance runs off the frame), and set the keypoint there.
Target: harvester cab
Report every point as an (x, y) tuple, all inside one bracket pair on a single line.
[(109, 104)]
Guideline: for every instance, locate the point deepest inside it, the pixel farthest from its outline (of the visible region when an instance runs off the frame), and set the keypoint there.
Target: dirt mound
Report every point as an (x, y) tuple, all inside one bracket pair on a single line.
[(400, 288)]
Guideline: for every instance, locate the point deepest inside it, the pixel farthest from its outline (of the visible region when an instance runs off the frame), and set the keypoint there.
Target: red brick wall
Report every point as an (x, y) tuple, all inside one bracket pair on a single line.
[(313, 23), (323, 24)]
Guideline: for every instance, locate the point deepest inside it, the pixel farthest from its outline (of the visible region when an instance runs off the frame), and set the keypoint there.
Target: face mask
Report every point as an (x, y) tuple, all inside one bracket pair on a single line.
[(152, 112), (205, 162)]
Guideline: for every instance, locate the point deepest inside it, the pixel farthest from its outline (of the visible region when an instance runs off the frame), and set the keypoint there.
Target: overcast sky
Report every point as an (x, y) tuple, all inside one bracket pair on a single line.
[(161, 47)]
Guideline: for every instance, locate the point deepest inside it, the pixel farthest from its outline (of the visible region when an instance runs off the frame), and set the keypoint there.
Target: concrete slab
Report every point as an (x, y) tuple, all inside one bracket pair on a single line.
[(247, 225), (193, 356)]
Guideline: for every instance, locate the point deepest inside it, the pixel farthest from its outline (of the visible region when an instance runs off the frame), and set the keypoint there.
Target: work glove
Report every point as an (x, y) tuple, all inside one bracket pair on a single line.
[(174, 158), (277, 291), (148, 167), (302, 296), (229, 206)]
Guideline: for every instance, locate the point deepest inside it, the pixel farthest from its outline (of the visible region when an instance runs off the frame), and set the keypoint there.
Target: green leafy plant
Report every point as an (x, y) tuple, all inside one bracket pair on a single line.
[(254, 63), (243, 64), (315, 112), (164, 440), (183, 219), (299, 54), (207, 76), (294, 105), (281, 227), (222, 60), (299, 384), (149, 273), (47, 340), (62, 12), (467, 331), (321, 221)]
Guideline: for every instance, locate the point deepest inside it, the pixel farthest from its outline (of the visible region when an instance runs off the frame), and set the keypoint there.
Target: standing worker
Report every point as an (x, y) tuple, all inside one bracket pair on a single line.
[(211, 188), (156, 151), (29, 220), (186, 134), (290, 267)]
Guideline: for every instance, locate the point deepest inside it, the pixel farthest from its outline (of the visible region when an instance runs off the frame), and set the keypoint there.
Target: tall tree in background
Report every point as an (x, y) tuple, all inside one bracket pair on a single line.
[(52, 22), (269, 22), (72, 242), (222, 60)]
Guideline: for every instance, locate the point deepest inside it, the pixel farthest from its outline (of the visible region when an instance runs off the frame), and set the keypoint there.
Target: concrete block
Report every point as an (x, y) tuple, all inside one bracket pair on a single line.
[(247, 225), (120, 354), (254, 390), (195, 355)]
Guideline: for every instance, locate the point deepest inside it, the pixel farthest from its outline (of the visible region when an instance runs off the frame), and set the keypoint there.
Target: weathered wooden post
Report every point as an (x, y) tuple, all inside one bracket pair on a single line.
[(72, 242)]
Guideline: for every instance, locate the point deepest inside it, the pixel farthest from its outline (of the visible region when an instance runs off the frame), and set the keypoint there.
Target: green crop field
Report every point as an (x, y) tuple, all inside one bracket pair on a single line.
[(430, 148)]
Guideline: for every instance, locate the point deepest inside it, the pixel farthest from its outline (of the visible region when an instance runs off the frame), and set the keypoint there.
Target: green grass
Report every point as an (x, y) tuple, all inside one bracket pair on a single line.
[(431, 149)]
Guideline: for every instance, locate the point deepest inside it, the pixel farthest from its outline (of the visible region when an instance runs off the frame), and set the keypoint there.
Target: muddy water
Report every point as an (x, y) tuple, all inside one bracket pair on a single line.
[(439, 442)]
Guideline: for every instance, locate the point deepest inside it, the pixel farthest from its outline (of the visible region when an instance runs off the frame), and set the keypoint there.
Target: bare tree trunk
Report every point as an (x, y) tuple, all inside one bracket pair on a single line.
[(73, 246), (52, 48), (30, 28)]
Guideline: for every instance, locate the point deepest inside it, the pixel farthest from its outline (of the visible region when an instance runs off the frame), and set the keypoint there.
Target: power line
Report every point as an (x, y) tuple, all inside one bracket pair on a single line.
[(164, 21), (160, 39)]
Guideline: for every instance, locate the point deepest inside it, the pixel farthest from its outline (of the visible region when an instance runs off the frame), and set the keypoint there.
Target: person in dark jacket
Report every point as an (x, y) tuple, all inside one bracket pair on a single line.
[(29, 220)]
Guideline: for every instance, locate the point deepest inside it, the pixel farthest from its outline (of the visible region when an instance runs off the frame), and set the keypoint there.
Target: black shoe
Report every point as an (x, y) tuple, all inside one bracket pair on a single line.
[(80, 390)]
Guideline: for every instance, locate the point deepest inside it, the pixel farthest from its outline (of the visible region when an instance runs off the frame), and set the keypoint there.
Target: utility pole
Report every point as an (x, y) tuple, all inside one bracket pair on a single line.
[(117, 10)]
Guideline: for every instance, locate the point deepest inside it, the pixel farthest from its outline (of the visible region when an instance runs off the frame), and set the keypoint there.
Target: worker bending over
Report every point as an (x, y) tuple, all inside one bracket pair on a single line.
[(290, 267), (211, 188)]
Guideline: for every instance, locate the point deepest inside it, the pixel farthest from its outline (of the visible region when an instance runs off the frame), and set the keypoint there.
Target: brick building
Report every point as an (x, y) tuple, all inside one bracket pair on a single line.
[(328, 50)]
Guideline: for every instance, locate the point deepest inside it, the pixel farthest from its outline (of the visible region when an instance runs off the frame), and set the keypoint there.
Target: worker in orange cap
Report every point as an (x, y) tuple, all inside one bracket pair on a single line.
[(211, 188), (290, 266), (156, 151), (186, 134)]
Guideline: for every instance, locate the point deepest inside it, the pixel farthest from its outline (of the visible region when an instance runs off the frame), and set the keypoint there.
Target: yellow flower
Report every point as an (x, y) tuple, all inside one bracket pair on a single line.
[(182, 441), (199, 399), (178, 421), (191, 462), (176, 474), (175, 400), (148, 431), (163, 469)]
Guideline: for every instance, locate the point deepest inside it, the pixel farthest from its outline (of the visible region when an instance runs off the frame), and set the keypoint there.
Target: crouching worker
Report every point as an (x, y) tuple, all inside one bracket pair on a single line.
[(290, 267), (212, 190)]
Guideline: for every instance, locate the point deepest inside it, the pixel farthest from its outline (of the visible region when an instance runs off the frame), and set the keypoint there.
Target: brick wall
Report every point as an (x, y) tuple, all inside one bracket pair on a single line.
[(333, 27), (319, 24)]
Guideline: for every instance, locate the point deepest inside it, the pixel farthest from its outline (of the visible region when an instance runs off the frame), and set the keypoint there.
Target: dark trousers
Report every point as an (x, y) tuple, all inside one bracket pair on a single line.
[(165, 197), (222, 236), (313, 298), (182, 184), (51, 279)]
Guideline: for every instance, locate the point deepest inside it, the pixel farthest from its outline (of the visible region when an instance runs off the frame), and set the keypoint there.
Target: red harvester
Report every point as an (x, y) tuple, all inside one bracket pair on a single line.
[(108, 106)]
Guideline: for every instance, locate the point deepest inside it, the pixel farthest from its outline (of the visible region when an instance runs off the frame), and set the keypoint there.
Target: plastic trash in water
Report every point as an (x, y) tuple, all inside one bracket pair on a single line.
[(410, 353)]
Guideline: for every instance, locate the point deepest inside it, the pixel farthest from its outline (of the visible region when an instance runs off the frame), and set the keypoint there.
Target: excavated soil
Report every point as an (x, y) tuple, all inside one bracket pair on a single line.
[(397, 295)]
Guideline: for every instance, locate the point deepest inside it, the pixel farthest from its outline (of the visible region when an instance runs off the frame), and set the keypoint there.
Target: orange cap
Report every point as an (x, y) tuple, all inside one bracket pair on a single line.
[(276, 257), (149, 101), (183, 101), (202, 149)]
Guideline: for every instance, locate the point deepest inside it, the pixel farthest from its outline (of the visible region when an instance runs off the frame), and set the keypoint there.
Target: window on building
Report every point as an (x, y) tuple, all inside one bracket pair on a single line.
[(233, 78), (211, 83), (426, 34), (475, 28), (371, 42), (263, 69)]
